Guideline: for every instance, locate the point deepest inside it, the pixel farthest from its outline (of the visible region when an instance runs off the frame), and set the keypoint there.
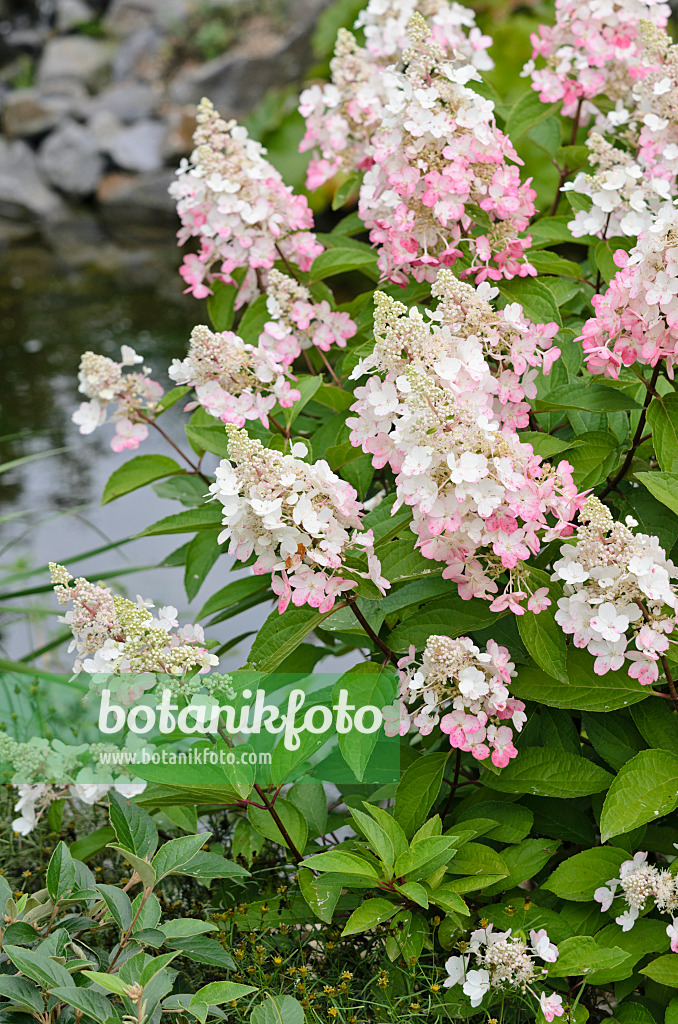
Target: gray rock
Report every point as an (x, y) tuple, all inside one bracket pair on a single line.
[(28, 112), (70, 159), (78, 58), (134, 52), (104, 126), (23, 193), (139, 148), (238, 80), (133, 197), (70, 13), (127, 101), (126, 16)]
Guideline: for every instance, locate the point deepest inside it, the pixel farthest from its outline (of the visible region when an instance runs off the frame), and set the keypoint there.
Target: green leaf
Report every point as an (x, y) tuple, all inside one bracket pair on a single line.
[(138, 472), (141, 865), (367, 685), (254, 320), (182, 927), (343, 863), (526, 112), (595, 459), (545, 772), (173, 855), (663, 970), (545, 641), (309, 797), (613, 736), (278, 1009), (134, 828), (232, 593), (581, 954), (645, 789), (579, 876), (320, 895), (210, 437), (368, 915), (417, 791), (91, 1003), (84, 848), (201, 554), (552, 263), (218, 992), (60, 873), (22, 993), (221, 305), (308, 386), (585, 690), (292, 819), (604, 256), (580, 394), (280, 635), (40, 968), (447, 616), (207, 518), (202, 950), (425, 857), (119, 905), (479, 863), (170, 398), (657, 723), (341, 261), (346, 190), (662, 486), (537, 300)]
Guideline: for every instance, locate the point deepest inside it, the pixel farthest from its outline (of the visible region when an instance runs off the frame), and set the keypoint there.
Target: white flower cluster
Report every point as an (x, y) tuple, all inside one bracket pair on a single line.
[(299, 518), (235, 202), (297, 322), (480, 497), (233, 381), (72, 771), (113, 634), (503, 961), (342, 116), (472, 684), (104, 382), (640, 882), (625, 196), (617, 588)]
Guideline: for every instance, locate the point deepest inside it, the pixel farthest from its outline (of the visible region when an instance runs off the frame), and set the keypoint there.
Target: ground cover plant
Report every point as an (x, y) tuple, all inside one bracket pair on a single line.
[(442, 434)]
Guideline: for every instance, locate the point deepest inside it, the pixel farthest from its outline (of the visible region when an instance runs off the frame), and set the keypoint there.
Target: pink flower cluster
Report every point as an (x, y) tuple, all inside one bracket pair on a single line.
[(233, 381), (236, 203), (593, 48), (436, 152), (297, 322), (299, 518), (342, 116), (480, 497), (636, 319), (105, 383), (466, 691)]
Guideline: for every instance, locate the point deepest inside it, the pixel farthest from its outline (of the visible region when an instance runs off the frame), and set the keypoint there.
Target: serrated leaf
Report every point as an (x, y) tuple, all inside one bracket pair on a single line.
[(585, 690), (645, 789), (662, 486), (368, 915), (544, 772)]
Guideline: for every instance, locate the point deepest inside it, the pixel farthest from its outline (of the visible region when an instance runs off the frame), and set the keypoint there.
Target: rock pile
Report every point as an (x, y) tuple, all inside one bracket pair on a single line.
[(106, 115)]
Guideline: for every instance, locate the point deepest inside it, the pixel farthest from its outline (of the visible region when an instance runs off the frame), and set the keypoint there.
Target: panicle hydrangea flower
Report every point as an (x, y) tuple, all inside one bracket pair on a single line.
[(65, 768), (593, 48), (625, 195), (235, 202), (298, 322), (113, 634), (480, 497), (617, 588), (466, 691), (135, 395), (640, 882), (436, 151), (341, 116), (299, 518), (233, 381), (636, 319), (500, 960)]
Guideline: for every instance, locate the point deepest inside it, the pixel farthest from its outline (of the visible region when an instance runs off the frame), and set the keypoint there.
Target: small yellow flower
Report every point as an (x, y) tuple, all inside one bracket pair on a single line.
[(435, 989), (277, 960)]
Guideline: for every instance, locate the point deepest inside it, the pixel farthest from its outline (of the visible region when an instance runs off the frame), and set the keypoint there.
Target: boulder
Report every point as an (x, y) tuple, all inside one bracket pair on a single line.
[(23, 193), (127, 16), (139, 147), (127, 101), (70, 13), (69, 158), (29, 112), (78, 58), (136, 53), (239, 79)]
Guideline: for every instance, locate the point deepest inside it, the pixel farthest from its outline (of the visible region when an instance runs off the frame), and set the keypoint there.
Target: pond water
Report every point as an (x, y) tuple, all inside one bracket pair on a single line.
[(86, 289)]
